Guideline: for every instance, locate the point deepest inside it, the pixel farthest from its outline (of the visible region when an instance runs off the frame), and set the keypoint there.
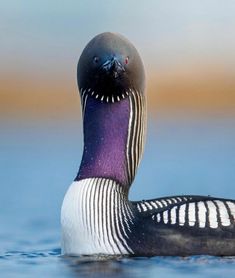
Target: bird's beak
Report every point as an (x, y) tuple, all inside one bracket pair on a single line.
[(113, 67)]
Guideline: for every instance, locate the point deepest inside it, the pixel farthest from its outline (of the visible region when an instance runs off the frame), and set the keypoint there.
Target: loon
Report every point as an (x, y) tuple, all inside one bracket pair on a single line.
[(97, 218)]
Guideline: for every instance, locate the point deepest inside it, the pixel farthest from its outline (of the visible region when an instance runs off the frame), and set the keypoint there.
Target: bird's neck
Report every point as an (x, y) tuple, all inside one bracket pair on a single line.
[(113, 138)]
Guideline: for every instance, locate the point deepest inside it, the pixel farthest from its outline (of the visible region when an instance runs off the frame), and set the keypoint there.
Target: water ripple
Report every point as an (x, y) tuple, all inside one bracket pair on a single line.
[(113, 266), (31, 254)]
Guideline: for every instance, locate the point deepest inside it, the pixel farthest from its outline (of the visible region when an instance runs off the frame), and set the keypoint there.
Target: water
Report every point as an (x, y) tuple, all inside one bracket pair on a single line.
[(39, 160)]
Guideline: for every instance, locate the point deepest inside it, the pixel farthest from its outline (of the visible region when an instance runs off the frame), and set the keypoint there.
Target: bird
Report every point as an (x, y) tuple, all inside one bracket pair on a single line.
[(97, 217)]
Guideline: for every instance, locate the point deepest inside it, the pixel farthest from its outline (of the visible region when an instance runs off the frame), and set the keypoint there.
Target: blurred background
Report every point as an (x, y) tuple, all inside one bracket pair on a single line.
[(187, 47), (188, 51)]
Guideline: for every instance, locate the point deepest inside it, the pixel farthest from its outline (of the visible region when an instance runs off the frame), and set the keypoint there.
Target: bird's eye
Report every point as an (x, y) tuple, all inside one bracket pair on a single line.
[(96, 59), (126, 60)]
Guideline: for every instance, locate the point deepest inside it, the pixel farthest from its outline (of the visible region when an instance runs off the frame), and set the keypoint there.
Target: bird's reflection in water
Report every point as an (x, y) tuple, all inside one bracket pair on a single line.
[(115, 267), (102, 266)]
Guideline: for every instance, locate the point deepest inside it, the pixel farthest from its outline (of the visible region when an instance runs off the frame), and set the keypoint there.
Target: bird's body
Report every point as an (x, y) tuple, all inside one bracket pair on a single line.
[(96, 216)]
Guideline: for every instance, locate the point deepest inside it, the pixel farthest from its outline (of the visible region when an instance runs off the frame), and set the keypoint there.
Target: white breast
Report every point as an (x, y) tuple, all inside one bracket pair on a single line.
[(94, 218)]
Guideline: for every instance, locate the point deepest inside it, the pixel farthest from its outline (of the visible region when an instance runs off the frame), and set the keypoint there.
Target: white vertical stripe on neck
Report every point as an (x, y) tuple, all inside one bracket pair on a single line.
[(136, 132)]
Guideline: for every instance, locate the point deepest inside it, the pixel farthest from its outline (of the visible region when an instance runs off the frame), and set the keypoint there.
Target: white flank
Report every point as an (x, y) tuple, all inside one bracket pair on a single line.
[(165, 216), (201, 214), (231, 208), (191, 214), (182, 215), (173, 215), (158, 217), (213, 219), (224, 217)]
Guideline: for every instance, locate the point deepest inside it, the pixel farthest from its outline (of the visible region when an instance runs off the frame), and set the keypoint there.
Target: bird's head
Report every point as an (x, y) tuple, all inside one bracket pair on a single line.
[(109, 68)]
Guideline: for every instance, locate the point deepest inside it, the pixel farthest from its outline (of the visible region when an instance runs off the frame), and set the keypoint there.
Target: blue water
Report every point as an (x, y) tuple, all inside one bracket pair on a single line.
[(39, 160)]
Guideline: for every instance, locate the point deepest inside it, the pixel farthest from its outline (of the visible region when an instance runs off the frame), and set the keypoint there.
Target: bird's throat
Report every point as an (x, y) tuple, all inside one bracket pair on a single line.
[(113, 139)]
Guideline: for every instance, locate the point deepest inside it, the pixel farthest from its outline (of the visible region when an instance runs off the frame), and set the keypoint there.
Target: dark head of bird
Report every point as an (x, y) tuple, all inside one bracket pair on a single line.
[(109, 67)]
